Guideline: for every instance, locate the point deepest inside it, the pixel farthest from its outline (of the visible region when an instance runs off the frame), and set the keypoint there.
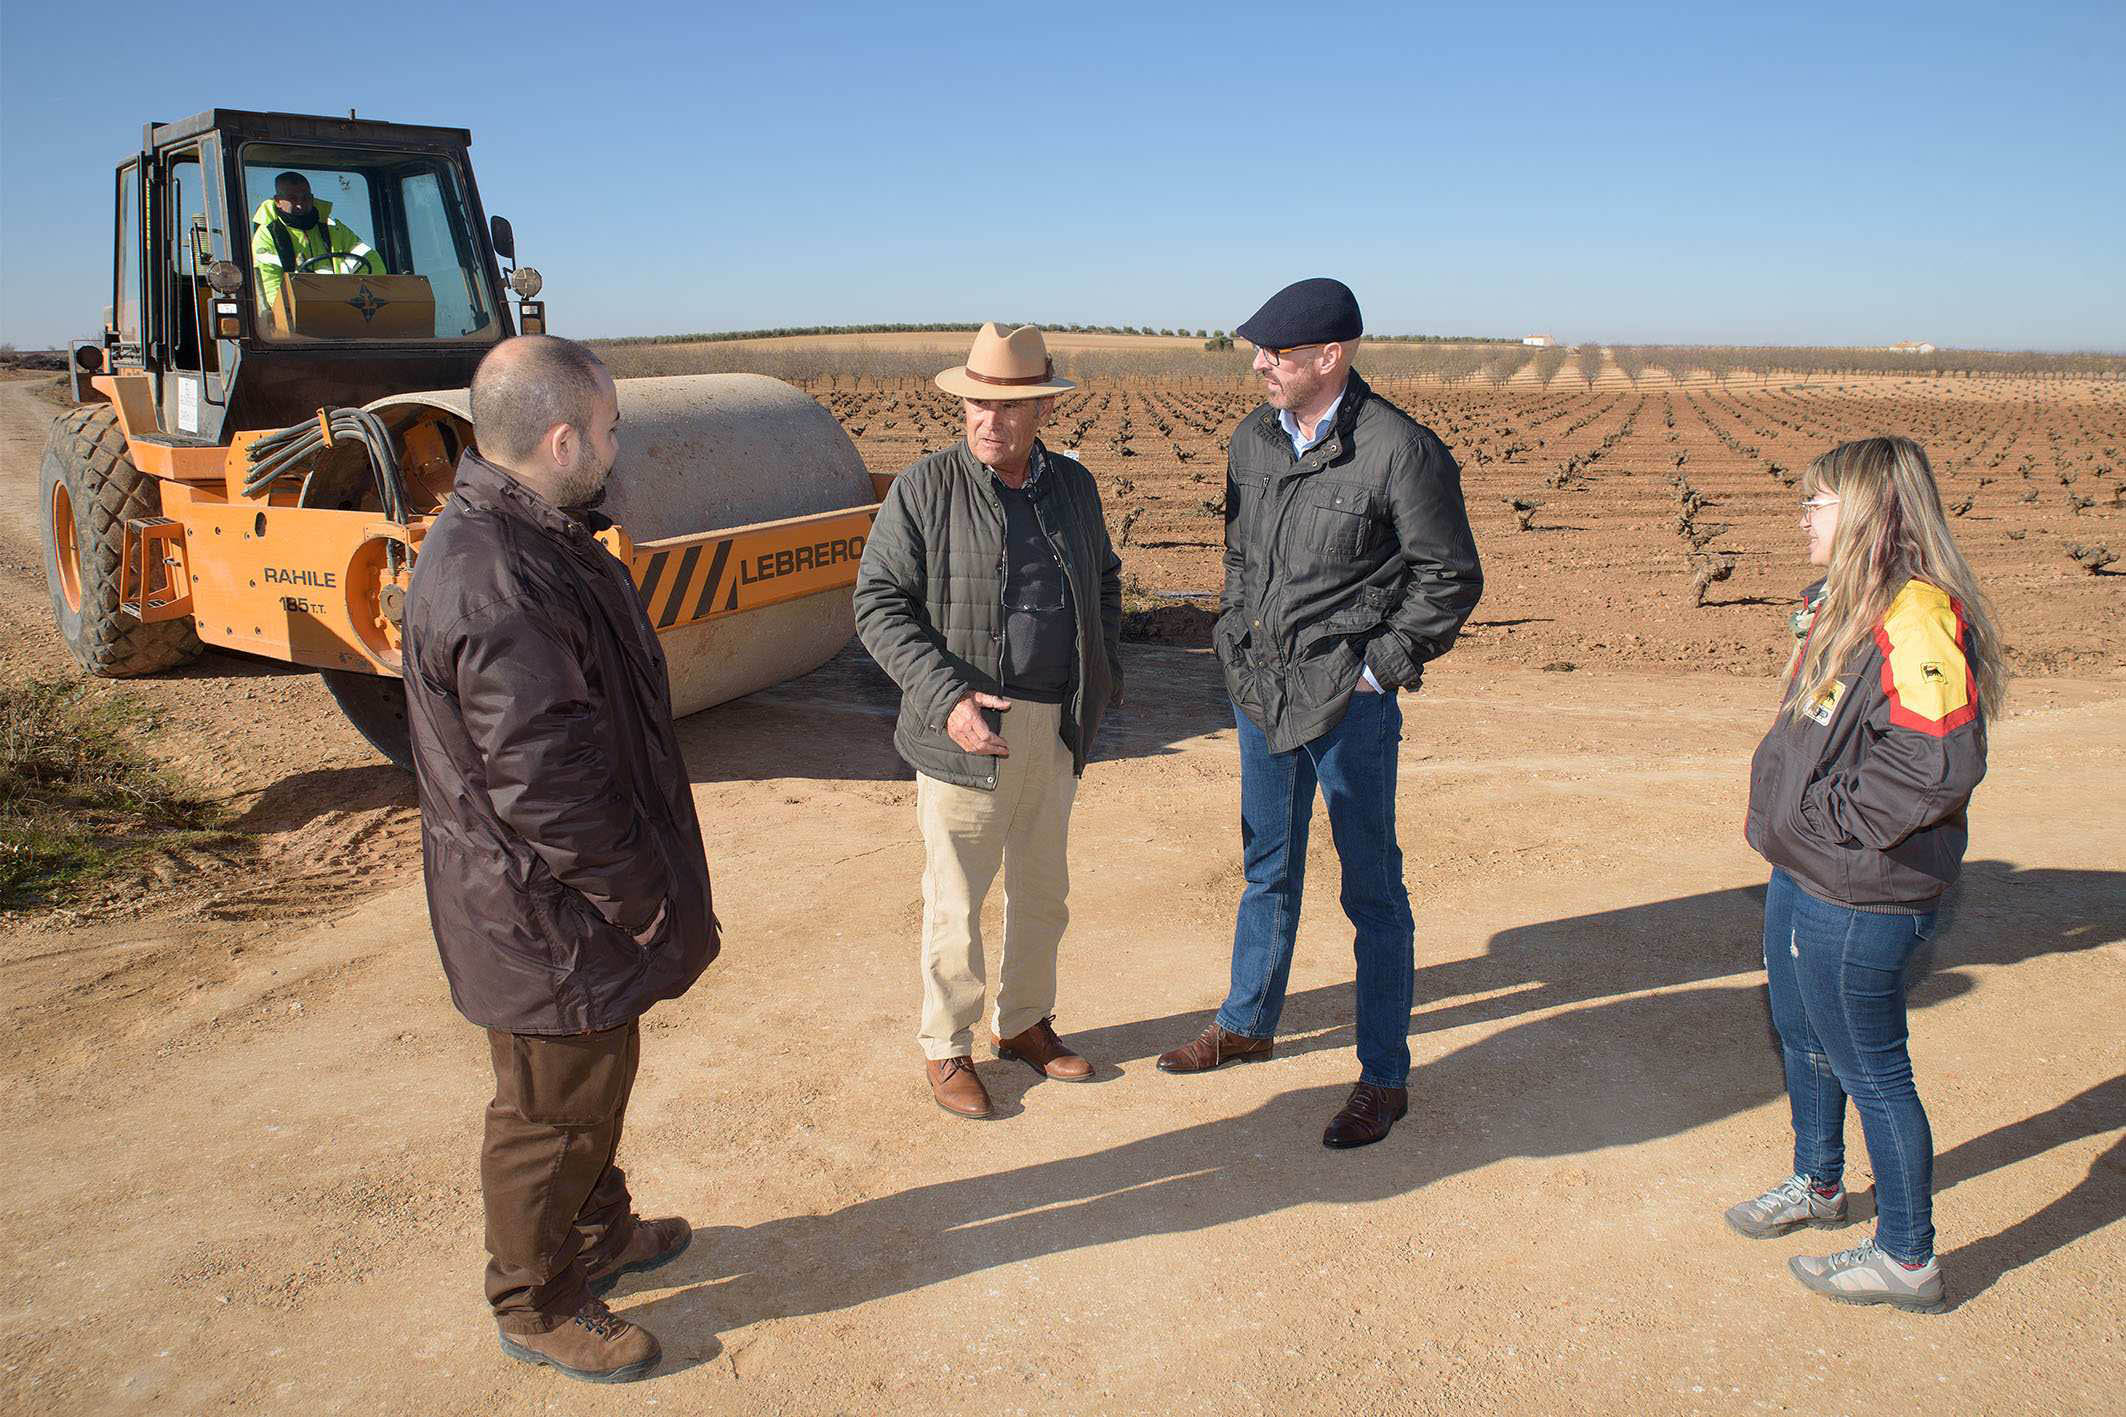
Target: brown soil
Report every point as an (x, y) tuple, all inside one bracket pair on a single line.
[(242, 1116), (1603, 577), (328, 816)]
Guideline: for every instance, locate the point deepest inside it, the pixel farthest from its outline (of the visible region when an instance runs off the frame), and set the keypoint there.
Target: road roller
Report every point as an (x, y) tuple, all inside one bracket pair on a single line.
[(275, 408)]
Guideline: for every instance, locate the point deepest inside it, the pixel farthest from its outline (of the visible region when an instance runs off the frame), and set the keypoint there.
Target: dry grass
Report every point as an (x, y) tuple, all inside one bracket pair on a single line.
[(870, 359), (77, 799)]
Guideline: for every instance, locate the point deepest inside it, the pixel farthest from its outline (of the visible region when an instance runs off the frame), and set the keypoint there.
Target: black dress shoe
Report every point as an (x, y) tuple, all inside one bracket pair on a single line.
[(1367, 1115)]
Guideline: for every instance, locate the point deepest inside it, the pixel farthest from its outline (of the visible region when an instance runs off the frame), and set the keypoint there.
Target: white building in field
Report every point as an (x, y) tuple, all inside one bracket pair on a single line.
[(1912, 346), (1540, 341)]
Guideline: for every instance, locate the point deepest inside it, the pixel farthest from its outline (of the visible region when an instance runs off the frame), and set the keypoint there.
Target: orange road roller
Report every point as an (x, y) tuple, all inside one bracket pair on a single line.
[(263, 435)]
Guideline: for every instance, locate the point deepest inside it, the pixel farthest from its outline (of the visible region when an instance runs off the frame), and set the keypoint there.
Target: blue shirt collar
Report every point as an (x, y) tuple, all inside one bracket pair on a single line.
[(1300, 442)]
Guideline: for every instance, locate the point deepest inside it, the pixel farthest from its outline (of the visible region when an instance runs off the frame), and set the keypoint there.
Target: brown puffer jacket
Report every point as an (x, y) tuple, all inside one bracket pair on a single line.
[(566, 878)]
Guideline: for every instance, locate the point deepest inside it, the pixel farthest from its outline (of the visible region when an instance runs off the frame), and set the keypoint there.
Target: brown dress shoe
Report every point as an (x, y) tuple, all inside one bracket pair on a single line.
[(1367, 1115), (654, 1243), (596, 1346), (1214, 1048), (956, 1086), (1039, 1048)]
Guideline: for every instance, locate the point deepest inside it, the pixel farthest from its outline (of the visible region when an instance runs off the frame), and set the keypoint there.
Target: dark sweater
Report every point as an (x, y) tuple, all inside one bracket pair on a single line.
[(1040, 627)]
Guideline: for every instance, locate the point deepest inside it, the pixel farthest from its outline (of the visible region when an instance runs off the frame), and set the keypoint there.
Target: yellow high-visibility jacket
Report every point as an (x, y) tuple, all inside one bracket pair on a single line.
[(277, 247)]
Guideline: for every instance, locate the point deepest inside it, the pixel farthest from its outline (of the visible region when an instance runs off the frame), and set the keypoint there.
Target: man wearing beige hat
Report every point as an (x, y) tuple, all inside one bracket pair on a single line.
[(990, 592)]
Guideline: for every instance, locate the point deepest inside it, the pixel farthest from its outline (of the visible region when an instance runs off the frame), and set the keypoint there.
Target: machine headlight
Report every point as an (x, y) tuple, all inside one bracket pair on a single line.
[(226, 277), (525, 281)]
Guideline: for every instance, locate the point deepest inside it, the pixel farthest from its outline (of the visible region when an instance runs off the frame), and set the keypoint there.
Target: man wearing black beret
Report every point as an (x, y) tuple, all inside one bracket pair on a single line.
[(1348, 564)]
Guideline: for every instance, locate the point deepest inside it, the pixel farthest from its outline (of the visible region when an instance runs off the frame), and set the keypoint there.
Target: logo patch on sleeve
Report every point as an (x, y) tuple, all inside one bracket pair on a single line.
[(1826, 703), (1926, 675)]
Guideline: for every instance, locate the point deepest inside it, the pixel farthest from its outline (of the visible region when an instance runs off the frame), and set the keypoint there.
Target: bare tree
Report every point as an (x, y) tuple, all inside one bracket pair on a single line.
[(1458, 363), (1502, 366), (1675, 361), (1587, 360)]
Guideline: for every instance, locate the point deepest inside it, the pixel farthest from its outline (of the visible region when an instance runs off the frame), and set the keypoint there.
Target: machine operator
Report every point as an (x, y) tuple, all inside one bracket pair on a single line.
[(292, 231)]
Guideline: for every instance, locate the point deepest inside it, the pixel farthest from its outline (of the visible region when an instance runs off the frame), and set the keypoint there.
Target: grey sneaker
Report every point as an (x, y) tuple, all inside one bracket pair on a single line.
[(1865, 1275), (1787, 1206)]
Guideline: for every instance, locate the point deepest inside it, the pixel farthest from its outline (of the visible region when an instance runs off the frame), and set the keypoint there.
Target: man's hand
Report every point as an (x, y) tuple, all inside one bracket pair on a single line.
[(970, 730), (648, 933)]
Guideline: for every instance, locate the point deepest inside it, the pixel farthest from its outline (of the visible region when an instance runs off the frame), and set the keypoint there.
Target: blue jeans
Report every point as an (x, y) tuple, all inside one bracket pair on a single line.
[(1838, 980), (1354, 765)]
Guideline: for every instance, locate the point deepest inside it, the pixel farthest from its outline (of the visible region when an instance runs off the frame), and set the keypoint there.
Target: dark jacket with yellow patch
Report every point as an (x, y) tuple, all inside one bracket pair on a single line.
[(1863, 801)]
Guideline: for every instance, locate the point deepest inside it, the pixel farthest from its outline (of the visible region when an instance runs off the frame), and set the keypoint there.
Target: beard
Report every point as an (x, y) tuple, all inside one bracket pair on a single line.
[(1296, 389), (584, 487)]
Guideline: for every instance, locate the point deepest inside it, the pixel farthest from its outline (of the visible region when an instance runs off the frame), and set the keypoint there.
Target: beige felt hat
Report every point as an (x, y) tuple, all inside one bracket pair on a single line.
[(1001, 366)]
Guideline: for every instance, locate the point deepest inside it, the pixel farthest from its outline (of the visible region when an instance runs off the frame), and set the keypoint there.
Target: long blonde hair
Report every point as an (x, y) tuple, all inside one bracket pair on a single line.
[(1891, 529)]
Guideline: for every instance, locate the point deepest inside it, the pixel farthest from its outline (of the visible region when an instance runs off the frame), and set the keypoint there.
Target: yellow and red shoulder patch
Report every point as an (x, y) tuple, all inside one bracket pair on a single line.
[(1925, 673)]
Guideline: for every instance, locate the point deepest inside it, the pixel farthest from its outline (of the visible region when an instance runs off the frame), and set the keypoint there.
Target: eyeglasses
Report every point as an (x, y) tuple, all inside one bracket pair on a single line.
[(1811, 506), (1276, 355)]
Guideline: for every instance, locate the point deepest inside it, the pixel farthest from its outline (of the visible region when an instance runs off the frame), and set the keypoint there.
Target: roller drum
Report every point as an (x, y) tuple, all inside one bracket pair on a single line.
[(700, 452)]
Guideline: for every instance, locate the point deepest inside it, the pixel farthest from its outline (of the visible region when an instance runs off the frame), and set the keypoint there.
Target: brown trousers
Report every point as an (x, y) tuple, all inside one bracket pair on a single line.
[(556, 1203)]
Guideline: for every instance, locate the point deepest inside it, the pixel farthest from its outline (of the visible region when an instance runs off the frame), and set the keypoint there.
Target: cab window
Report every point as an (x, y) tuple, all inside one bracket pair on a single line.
[(363, 246), (125, 305)]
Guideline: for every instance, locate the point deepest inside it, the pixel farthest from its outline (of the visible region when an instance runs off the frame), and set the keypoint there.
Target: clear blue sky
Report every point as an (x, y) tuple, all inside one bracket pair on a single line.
[(1839, 173)]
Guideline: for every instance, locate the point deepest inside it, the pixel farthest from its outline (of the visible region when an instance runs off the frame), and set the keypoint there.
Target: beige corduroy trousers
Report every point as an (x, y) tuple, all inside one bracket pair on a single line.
[(1023, 826)]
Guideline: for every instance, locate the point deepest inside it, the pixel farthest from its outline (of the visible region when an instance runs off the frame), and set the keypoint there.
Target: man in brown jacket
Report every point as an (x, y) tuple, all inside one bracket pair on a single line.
[(566, 878)]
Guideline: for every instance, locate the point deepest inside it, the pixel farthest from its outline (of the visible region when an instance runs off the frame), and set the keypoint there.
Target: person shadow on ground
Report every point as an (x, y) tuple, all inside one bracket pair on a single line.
[(1620, 1072), (2094, 1202)]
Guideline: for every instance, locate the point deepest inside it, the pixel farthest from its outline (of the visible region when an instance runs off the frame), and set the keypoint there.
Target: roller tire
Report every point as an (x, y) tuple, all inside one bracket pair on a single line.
[(376, 705), (86, 454)]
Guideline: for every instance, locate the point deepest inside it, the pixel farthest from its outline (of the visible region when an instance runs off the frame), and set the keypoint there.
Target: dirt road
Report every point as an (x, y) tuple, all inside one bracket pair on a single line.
[(241, 1134)]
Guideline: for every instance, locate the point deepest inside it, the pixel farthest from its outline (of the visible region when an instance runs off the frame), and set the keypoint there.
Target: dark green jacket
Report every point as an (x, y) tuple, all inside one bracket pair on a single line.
[(930, 602), (1357, 554)]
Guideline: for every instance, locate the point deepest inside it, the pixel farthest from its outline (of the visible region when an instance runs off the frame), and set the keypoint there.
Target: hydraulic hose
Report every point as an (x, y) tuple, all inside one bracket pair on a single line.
[(282, 454)]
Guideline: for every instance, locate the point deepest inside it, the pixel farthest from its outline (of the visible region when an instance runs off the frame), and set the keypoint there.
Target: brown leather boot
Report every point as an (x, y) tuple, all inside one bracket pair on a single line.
[(1039, 1048), (957, 1087), (596, 1346), (654, 1243), (1367, 1115), (1214, 1048)]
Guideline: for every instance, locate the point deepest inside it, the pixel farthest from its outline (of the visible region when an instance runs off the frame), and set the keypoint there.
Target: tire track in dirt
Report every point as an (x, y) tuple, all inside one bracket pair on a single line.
[(327, 821)]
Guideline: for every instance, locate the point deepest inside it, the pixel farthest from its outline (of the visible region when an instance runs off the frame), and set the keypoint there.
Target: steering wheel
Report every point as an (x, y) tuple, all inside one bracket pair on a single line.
[(307, 267)]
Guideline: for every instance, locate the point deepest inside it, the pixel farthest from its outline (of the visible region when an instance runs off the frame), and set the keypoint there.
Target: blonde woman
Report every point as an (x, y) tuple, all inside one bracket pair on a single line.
[(1858, 798)]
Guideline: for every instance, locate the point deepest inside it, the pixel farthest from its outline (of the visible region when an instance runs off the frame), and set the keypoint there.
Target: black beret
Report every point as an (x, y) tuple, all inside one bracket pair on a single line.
[(1315, 311)]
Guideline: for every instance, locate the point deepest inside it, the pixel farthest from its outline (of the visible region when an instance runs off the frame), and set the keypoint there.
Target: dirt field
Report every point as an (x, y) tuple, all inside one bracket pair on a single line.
[(242, 1115), (1603, 577)]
